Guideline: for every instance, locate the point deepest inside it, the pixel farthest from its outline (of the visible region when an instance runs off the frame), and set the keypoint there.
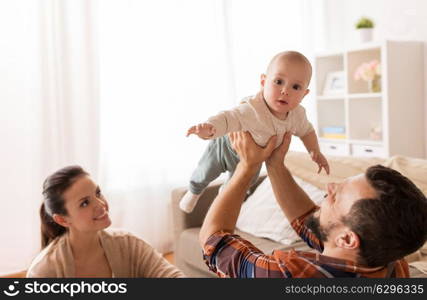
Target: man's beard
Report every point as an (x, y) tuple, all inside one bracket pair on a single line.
[(313, 223)]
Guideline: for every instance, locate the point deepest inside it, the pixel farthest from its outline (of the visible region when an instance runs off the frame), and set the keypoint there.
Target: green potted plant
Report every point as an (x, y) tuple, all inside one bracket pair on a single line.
[(365, 26)]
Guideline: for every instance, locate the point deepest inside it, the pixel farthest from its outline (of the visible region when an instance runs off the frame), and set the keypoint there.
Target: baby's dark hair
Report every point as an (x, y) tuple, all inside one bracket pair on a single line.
[(53, 189)]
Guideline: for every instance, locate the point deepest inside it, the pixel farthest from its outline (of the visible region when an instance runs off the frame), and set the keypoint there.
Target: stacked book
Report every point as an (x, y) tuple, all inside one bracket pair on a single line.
[(334, 132)]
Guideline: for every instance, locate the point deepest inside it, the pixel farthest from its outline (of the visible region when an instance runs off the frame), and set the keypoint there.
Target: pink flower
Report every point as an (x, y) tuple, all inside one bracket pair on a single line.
[(368, 71)]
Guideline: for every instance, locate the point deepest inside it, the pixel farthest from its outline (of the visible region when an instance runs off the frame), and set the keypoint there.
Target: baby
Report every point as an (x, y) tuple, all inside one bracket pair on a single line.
[(275, 110)]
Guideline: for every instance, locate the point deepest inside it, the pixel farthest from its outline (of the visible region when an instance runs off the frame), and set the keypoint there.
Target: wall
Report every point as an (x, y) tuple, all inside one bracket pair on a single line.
[(394, 19)]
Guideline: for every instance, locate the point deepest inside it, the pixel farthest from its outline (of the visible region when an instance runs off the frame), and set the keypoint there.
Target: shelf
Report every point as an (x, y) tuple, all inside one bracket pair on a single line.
[(352, 48), (355, 142), (365, 115), (330, 97), (330, 54), (366, 142), (365, 47), (350, 96), (364, 95), (325, 140)]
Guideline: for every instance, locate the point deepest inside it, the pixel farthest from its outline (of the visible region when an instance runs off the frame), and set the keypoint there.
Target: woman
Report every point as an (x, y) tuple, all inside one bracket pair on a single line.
[(73, 216)]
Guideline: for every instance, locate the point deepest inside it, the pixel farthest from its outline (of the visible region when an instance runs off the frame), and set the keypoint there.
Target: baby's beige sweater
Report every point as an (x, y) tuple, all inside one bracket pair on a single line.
[(128, 256), (254, 116)]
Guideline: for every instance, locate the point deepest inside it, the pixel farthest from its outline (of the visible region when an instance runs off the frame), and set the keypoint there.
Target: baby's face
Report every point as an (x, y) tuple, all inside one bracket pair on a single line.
[(285, 85)]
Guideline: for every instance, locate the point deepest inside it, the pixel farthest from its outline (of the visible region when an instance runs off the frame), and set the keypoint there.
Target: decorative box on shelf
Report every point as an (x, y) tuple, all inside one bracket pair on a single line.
[(337, 148), (334, 132)]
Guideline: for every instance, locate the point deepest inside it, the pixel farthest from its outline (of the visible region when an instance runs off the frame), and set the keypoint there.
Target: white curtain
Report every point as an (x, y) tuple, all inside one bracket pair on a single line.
[(113, 85), (165, 65), (48, 111)]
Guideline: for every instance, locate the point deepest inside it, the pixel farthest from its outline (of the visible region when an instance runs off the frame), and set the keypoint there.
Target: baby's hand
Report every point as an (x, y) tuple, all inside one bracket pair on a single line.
[(203, 130), (320, 160)]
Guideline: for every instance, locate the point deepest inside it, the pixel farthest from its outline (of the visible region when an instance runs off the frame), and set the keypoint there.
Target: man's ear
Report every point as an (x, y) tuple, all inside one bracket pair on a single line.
[(347, 239), (263, 78), (61, 220)]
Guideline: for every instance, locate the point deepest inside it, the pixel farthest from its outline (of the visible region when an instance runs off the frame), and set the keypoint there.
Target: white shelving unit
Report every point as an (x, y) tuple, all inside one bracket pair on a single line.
[(398, 109)]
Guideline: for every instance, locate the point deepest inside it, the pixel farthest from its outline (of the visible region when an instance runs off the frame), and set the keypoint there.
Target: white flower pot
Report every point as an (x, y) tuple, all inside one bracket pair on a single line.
[(365, 34)]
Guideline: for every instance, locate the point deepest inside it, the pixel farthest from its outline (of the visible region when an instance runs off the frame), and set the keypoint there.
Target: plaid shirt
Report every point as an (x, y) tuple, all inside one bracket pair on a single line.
[(230, 255)]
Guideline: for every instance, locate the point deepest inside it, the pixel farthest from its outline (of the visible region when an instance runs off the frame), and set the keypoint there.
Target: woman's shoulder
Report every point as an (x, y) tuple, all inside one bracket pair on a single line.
[(117, 233), (44, 264)]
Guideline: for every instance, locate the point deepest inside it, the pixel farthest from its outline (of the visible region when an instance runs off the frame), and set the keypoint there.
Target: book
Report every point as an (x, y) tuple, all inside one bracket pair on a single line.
[(334, 136), (333, 129)]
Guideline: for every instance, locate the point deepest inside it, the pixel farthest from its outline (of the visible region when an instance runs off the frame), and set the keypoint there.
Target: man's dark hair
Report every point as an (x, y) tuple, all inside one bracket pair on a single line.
[(392, 225)]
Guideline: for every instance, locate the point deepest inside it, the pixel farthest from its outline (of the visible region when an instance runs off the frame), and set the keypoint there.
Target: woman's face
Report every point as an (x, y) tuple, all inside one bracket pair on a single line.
[(86, 206)]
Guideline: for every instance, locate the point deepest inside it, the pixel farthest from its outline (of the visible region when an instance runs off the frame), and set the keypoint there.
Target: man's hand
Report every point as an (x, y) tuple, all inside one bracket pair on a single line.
[(204, 130), (278, 155), (249, 152), (224, 211), (320, 160)]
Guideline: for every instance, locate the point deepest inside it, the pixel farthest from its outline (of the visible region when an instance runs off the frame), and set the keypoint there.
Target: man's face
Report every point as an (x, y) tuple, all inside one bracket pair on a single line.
[(326, 222)]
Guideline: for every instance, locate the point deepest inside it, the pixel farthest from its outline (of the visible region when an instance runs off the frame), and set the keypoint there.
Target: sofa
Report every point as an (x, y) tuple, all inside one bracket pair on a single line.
[(188, 255)]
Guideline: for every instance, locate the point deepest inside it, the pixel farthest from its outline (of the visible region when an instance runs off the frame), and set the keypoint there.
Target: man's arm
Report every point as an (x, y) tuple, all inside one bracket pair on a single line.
[(293, 201), (224, 211)]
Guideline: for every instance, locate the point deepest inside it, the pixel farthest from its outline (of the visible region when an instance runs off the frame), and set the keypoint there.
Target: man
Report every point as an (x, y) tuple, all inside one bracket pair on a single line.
[(364, 227)]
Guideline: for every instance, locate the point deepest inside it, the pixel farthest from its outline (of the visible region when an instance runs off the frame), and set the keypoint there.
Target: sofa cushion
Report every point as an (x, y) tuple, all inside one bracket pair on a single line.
[(341, 167), (262, 216), (413, 168)]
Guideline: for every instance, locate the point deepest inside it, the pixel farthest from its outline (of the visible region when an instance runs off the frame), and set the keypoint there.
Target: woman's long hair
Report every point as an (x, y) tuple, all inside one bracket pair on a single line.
[(53, 189)]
